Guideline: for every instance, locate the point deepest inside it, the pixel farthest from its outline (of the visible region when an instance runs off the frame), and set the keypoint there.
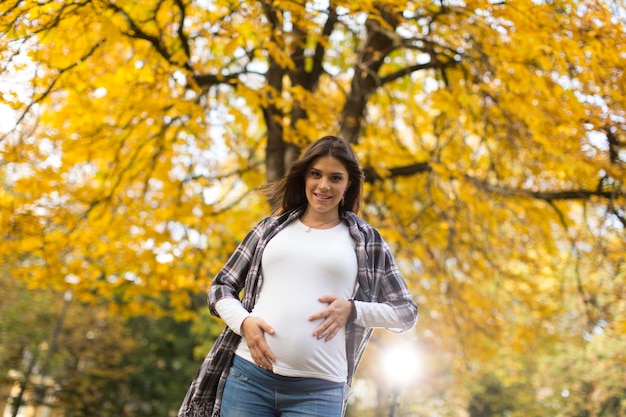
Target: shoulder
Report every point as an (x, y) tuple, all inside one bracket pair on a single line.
[(361, 227), (269, 225)]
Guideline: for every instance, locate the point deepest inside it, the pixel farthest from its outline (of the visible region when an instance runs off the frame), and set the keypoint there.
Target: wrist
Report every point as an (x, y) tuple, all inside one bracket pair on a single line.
[(241, 331)]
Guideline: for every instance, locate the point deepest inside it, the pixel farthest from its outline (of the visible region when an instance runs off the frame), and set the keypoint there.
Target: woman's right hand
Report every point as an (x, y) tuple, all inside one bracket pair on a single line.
[(253, 329)]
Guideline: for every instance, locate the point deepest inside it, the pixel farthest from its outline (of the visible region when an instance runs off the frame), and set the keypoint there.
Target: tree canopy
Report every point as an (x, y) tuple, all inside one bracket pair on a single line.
[(492, 134)]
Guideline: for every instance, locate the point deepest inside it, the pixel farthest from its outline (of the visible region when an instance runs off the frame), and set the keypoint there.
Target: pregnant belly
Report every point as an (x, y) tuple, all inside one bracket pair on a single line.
[(293, 343)]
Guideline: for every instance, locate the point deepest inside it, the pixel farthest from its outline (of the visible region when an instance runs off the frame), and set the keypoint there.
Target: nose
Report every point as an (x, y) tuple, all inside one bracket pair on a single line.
[(324, 185)]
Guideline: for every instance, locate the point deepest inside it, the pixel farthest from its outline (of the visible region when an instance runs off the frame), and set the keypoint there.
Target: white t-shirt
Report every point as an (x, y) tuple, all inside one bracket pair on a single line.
[(306, 253), (299, 266)]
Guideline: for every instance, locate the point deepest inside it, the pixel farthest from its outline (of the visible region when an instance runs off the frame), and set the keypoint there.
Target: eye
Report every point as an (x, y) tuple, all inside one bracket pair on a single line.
[(315, 174), (336, 178)]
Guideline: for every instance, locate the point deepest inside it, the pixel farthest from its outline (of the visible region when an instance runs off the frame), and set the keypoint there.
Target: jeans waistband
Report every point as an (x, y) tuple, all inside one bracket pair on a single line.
[(281, 382)]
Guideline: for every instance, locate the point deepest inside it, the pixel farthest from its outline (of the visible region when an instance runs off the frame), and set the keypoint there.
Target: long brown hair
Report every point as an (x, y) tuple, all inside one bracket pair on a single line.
[(288, 193)]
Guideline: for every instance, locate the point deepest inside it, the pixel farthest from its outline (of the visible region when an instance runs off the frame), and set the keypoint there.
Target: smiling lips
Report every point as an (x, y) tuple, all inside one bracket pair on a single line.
[(322, 196)]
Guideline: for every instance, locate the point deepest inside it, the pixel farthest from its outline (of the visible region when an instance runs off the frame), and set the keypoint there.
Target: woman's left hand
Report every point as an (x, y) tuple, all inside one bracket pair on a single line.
[(334, 317)]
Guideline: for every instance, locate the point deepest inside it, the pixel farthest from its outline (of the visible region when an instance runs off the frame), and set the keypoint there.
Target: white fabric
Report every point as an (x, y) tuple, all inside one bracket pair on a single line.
[(376, 315)]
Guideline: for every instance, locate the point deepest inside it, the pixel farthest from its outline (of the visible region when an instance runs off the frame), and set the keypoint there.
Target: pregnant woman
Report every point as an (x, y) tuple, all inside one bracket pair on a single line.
[(315, 279)]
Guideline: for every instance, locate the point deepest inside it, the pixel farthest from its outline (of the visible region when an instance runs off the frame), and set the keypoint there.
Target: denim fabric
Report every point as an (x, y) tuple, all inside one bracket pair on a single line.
[(252, 391)]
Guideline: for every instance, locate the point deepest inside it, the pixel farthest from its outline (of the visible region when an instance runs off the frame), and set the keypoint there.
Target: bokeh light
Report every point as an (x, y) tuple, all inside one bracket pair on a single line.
[(402, 363)]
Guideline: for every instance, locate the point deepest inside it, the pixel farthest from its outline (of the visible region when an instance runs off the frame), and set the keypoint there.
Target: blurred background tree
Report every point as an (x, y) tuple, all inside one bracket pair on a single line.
[(134, 135)]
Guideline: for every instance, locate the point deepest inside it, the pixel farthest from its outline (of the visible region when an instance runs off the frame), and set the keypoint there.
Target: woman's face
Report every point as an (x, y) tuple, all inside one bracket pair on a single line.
[(326, 181)]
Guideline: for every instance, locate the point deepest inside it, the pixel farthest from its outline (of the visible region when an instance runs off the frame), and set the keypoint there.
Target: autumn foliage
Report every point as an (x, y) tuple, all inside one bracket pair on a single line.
[(493, 135)]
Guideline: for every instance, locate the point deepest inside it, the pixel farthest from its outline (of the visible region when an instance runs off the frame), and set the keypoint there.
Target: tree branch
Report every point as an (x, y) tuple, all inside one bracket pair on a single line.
[(184, 41), (137, 32), (611, 195), (371, 175), (379, 42), (544, 195)]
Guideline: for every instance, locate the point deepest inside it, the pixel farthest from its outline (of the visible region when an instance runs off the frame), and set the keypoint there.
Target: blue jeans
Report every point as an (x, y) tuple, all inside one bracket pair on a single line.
[(252, 391)]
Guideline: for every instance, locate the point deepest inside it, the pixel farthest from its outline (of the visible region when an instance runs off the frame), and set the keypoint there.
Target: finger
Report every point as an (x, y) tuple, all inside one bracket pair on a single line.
[(266, 328), (319, 315), (267, 353), (324, 329), (319, 330), (261, 358), (322, 314), (331, 335), (326, 298), (330, 332)]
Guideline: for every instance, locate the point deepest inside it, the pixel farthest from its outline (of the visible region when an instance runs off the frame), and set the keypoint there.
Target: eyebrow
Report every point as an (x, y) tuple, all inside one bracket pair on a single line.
[(332, 173)]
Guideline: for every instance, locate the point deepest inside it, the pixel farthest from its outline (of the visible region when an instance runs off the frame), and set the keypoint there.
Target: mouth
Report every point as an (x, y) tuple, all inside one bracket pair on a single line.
[(322, 197)]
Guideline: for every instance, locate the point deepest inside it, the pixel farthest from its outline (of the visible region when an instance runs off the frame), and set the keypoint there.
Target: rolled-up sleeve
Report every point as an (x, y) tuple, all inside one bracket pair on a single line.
[(397, 294), (390, 286)]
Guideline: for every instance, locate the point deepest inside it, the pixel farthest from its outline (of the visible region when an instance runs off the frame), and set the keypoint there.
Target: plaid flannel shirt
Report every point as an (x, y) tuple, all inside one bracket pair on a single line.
[(378, 280)]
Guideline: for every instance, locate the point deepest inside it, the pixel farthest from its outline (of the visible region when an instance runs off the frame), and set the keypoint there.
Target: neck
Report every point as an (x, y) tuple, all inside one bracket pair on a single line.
[(314, 218), (325, 221)]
